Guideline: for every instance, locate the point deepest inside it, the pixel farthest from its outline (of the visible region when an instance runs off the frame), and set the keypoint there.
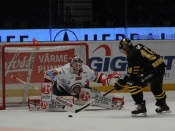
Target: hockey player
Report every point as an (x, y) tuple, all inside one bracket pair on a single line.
[(71, 80), (145, 67)]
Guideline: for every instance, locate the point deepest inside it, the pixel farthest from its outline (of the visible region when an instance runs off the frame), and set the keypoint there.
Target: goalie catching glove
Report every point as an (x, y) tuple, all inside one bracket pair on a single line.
[(110, 79), (119, 85)]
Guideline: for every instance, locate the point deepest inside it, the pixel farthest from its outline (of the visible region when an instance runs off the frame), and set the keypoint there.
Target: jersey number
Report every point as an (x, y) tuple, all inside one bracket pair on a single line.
[(148, 54)]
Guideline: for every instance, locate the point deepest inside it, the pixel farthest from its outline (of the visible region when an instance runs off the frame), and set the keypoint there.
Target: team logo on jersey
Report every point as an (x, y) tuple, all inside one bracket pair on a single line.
[(46, 88), (85, 96), (78, 78)]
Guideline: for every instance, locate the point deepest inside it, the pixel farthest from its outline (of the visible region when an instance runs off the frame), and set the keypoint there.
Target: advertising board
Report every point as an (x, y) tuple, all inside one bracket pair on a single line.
[(90, 34)]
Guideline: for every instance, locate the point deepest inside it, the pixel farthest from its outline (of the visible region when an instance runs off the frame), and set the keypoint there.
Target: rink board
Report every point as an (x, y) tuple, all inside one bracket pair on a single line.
[(105, 57)]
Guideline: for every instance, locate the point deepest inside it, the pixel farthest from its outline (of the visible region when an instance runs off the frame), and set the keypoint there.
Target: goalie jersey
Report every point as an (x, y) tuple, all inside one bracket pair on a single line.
[(71, 82)]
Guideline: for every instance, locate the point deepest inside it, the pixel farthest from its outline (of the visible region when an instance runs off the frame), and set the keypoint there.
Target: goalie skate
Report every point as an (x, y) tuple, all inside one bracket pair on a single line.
[(34, 103)]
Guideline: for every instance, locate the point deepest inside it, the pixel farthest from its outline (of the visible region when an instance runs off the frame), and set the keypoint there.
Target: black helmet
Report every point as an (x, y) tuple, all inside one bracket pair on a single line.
[(125, 43)]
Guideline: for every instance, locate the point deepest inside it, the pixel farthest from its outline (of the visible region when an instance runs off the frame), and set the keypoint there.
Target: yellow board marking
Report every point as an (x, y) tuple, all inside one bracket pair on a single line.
[(33, 92)]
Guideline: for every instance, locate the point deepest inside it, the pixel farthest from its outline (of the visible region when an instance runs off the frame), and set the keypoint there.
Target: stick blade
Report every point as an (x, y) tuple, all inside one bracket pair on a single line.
[(69, 109), (86, 105)]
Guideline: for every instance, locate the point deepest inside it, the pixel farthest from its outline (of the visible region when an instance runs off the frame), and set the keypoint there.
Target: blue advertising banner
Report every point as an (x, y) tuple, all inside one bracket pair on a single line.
[(90, 34), (24, 35)]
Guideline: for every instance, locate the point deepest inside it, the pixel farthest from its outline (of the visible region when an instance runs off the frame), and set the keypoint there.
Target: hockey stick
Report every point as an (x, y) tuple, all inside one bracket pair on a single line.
[(72, 107)]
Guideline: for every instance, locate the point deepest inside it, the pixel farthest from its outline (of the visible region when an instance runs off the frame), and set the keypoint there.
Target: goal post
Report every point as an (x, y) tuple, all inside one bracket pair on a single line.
[(28, 62)]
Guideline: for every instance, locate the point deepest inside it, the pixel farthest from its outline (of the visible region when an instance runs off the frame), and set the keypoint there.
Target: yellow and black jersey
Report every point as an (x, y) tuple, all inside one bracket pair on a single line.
[(141, 58)]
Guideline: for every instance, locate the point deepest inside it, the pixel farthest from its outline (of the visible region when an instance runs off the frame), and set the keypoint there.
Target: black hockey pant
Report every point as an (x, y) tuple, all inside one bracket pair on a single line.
[(155, 81)]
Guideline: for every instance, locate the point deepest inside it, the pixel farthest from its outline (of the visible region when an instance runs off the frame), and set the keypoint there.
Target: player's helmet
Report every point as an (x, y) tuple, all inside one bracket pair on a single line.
[(125, 44), (76, 63)]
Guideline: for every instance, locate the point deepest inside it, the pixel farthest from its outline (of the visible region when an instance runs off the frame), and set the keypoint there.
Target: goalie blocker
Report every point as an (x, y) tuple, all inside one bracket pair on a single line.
[(50, 102)]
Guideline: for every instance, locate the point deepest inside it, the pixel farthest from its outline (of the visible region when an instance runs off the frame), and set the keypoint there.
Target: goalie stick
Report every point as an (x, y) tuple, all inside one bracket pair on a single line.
[(15, 78), (67, 108), (66, 103)]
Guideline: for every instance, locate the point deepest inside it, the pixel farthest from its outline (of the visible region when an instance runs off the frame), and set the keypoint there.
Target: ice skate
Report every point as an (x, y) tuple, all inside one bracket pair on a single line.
[(163, 108), (141, 109)]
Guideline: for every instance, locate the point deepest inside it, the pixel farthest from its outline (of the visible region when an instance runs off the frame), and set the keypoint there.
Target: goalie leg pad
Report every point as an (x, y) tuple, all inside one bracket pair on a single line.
[(34, 102), (46, 92), (55, 105), (118, 102), (109, 101)]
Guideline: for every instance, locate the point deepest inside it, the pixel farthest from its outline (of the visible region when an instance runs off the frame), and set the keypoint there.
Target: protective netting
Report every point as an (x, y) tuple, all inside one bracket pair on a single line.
[(29, 64)]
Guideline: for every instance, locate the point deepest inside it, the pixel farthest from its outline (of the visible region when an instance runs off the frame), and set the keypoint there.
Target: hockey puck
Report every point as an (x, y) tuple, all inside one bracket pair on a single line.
[(70, 116)]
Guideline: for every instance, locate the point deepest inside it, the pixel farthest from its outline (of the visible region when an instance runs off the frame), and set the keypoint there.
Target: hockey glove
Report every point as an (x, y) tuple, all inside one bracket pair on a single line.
[(119, 85)]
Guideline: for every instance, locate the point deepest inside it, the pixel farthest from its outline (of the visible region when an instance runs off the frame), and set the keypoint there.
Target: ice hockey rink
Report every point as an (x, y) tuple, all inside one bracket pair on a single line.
[(92, 119)]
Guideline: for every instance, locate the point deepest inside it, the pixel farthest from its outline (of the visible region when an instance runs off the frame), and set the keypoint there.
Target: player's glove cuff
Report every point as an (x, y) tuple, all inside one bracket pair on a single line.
[(119, 85)]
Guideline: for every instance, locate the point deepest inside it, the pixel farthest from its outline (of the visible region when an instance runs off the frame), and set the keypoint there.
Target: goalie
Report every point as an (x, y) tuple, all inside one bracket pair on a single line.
[(71, 80)]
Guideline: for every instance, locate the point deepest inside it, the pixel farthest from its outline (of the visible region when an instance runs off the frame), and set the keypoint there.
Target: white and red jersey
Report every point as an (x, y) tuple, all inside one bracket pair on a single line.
[(70, 81)]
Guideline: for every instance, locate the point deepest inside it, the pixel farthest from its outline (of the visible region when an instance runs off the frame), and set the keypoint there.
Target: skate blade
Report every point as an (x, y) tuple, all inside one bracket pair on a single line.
[(140, 115), (168, 111)]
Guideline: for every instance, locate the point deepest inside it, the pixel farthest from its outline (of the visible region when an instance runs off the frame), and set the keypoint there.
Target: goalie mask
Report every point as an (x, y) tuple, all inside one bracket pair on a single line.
[(125, 44), (76, 64)]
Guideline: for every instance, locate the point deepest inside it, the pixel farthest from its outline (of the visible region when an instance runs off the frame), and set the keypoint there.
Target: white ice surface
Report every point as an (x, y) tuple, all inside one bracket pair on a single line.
[(92, 119)]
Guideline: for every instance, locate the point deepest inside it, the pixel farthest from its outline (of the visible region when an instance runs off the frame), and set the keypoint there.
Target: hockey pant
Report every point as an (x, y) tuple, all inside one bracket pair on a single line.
[(155, 81)]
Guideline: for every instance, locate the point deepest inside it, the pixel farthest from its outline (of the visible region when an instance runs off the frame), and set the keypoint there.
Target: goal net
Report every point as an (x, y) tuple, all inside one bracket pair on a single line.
[(28, 62)]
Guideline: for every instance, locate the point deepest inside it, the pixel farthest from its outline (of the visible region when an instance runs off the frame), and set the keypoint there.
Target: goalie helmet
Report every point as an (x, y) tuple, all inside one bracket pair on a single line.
[(125, 44), (76, 63)]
